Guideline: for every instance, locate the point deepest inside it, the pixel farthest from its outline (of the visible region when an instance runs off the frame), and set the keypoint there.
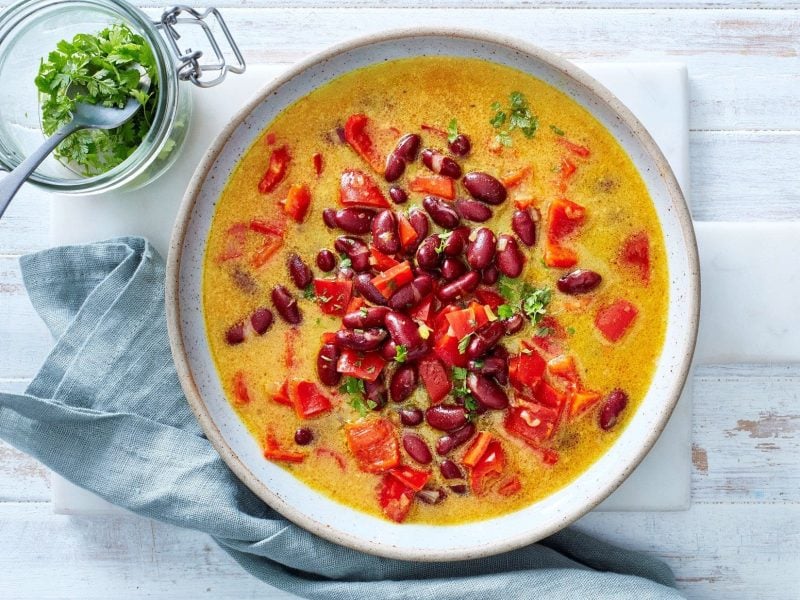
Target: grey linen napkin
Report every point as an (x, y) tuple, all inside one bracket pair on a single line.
[(106, 411)]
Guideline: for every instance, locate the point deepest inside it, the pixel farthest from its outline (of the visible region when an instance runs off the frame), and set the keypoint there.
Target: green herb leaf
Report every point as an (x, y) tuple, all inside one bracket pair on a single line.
[(345, 263), (354, 387), (470, 404), (463, 343), (363, 310), (544, 331), (505, 286), (504, 311), (571, 330), (452, 130), (308, 292), (400, 354), (459, 373), (534, 303), (556, 130), (443, 239), (518, 116)]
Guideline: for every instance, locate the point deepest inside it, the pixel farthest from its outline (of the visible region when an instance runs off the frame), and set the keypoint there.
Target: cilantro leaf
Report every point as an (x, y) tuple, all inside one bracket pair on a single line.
[(400, 354), (452, 130), (354, 387), (308, 292), (463, 343), (504, 311), (534, 303), (518, 116), (557, 130)]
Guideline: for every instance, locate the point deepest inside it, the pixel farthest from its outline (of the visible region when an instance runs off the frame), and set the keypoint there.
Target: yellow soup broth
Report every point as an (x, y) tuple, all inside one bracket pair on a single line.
[(399, 97)]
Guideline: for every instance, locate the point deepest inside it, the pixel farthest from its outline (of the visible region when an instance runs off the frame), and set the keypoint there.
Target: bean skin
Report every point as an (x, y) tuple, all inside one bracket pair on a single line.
[(446, 417), (403, 382), (449, 442), (441, 213), (375, 391), (440, 164), (363, 340), (329, 217), (456, 241), (488, 393), (299, 272), (460, 146), (363, 285), (524, 226), (485, 338), (326, 260), (395, 167), (509, 259), (356, 250), (427, 255), (286, 305), (514, 323), (384, 232), (460, 287), (408, 296), (261, 320), (431, 495), (613, 406), (411, 417), (484, 187), (450, 470), (481, 249), (403, 329), (472, 210), (235, 334), (326, 364), (417, 448), (490, 274), (579, 281), (420, 224), (452, 268), (354, 220), (407, 147), (491, 366), (389, 350), (365, 318), (398, 195), (459, 489), (303, 436)]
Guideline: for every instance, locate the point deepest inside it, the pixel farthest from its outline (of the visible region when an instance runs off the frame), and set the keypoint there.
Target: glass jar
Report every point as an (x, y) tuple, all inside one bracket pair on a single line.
[(30, 29)]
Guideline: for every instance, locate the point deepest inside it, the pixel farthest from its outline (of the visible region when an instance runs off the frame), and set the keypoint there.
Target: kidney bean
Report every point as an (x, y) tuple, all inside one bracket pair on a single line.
[(261, 320), (481, 248), (411, 417), (398, 195), (286, 304), (326, 260), (363, 285), (456, 241), (579, 281), (484, 187), (419, 221), (491, 366), (509, 259), (363, 340), (346, 273), (389, 350), (356, 250), (500, 351), (472, 210), (395, 167), (524, 226), (403, 382), (365, 318), (375, 391), (417, 448), (452, 268), (303, 436), (613, 406), (299, 272), (384, 232), (329, 217), (449, 442), (460, 146), (427, 255), (235, 334), (485, 338), (446, 417), (441, 213), (431, 495), (487, 392), (450, 470), (458, 288), (407, 147), (514, 323), (440, 164), (327, 358), (403, 329), (354, 220), (490, 274), (410, 294), (460, 489)]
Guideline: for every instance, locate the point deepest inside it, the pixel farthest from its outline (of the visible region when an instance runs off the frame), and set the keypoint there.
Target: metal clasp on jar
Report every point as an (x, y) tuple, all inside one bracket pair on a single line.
[(189, 66)]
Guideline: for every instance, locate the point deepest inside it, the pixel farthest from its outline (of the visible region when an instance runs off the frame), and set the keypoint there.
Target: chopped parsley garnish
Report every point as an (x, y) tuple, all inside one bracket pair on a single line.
[(459, 373), (463, 343), (354, 387), (504, 311), (471, 405), (400, 354), (571, 330), (105, 69), (345, 263), (363, 310), (452, 130), (444, 238), (517, 116), (308, 292), (534, 303), (505, 286), (557, 130), (544, 331)]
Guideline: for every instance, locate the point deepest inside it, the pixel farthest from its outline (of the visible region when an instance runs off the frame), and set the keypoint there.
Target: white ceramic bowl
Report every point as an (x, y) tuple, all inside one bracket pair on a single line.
[(340, 523)]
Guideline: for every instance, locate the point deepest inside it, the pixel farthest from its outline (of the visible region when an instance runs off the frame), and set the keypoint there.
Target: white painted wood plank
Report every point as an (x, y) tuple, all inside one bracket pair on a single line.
[(25, 226), (489, 4)]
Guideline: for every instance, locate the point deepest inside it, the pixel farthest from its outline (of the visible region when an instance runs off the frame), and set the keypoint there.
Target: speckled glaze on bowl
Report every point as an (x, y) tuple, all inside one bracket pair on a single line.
[(316, 512)]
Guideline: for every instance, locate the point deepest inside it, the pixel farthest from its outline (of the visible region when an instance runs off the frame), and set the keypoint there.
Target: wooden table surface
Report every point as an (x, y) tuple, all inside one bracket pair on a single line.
[(741, 537)]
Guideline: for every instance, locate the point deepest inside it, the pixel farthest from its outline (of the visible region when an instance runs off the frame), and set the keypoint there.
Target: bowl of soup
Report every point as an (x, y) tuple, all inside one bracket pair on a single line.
[(433, 295)]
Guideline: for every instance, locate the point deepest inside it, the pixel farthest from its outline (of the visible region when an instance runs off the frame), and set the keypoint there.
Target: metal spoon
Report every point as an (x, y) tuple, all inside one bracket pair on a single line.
[(85, 116)]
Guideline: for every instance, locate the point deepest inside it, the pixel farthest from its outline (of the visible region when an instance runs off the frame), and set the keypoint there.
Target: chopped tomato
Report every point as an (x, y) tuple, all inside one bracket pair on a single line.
[(408, 235), (373, 443), (391, 280), (490, 466), (422, 311), (357, 188), (380, 261), (333, 295), (354, 304), (510, 486), (276, 170), (395, 498), (514, 178), (308, 400), (438, 185), (434, 377), (266, 228), (282, 395), (413, 478), (576, 149), (526, 370), (240, 392), (266, 251), (319, 165), (273, 451), (235, 239), (477, 449), (298, 199), (446, 348), (489, 297), (532, 423), (355, 134), (635, 253), (615, 319), (362, 365), (336, 456), (582, 401)]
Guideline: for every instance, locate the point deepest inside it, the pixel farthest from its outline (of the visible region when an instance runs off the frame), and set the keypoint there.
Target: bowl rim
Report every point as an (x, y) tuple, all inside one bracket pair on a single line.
[(681, 367)]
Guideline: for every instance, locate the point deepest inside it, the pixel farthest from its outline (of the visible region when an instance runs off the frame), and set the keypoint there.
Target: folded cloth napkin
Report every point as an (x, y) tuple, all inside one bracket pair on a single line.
[(106, 411)]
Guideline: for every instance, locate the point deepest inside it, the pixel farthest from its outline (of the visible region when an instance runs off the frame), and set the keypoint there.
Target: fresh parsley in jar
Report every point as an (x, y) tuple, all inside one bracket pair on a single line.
[(104, 68)]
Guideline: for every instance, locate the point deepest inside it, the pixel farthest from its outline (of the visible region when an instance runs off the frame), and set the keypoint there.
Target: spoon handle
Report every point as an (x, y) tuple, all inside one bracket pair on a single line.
[(14, 180)]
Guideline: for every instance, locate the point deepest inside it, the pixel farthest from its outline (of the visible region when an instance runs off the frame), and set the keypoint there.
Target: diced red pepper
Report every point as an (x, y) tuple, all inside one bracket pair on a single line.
[(308, 400), (434, 130), (266, 228), (568, 169), (270, 139), (395, 498), (319, 164), (373, 443), (422, 311), (391, 280), (356, 188), (615, 319), (355, 134), (362, 365), (438, 185), (408, 235), (413, 478), (635, 253), (548, 337), (329, 337), (235, 239), (266, 251), (514, 178), (336, 456), (477, 448), (240, 392), (333, 295), (273, 451), (298, 199), (276, 170), (489, 297), (563, 367), (576, 149), (380, 261), (510, 486), (533, 423), (526, 370), (490, 466), (563, 218), (352, 306), (446, 348), (282, 395), (583, 400), (467, 320), (550, 397), (434, 377), (558, 256)]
